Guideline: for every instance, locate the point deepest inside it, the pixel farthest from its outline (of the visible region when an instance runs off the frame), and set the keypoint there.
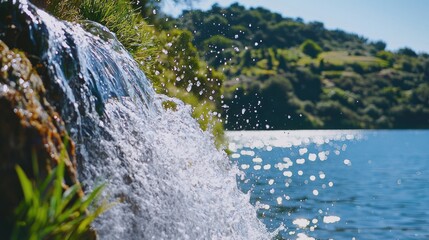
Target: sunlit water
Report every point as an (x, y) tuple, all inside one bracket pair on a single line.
[(337, 184)]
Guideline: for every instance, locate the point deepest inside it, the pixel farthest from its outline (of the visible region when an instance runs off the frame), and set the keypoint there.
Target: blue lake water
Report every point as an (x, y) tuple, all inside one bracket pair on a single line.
[(337, 184)]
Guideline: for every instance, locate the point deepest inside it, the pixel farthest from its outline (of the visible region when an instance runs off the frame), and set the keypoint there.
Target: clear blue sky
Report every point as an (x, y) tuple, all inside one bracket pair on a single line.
[(399, 23)]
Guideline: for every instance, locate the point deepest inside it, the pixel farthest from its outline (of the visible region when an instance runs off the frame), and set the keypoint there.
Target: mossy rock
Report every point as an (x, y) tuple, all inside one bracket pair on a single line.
[(30, 131)]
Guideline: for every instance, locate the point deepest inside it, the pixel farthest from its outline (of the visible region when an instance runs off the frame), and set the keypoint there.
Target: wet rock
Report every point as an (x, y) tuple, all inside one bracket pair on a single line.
[(30, 128), (22, 28)]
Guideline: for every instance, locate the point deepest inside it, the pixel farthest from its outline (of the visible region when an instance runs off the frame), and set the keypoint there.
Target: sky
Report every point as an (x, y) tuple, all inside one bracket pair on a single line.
[(399, 23)]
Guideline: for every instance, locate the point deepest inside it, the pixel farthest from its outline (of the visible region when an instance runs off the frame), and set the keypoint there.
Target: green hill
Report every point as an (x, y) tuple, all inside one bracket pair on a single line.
[(284, 73)]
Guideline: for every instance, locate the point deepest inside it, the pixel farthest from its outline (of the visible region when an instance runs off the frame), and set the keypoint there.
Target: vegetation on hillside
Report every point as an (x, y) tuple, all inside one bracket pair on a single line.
[(266, 71), (283, 73)]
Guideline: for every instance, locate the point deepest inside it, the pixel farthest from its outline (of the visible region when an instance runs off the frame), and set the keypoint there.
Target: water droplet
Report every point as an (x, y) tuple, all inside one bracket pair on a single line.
[(347, 162), (322, 156), (301, 222), (300, 161), (245, 166), (331, 219)]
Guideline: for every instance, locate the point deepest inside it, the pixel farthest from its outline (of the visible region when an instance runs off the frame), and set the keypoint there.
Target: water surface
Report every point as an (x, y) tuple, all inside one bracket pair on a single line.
[(337, 184)]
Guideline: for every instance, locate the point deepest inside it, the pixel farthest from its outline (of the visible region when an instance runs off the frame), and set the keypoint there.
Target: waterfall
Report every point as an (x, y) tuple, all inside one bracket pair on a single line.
[(168, 178)]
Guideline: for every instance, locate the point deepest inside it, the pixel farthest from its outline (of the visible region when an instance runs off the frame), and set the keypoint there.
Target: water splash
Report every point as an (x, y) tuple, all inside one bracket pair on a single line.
[(170, 180)]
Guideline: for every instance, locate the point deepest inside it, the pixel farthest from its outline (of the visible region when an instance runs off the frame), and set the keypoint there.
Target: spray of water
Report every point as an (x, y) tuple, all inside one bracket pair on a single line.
[(168, 178)]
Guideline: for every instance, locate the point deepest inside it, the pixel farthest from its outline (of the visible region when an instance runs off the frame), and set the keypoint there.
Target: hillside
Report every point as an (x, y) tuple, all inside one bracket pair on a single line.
[(284, 73)]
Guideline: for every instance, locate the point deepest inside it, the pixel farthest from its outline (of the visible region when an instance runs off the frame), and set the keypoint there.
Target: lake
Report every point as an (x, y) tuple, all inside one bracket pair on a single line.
[(337, 184)]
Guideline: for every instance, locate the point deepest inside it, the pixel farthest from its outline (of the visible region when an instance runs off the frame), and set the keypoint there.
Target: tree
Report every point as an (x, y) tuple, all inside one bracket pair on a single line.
[(379, 45), (311, 48), (407, 52)]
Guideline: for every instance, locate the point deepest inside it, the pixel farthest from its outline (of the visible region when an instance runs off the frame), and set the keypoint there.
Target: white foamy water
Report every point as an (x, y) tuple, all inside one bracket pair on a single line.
[(172, 180), (331, 219), (169, 180), (301, 222)]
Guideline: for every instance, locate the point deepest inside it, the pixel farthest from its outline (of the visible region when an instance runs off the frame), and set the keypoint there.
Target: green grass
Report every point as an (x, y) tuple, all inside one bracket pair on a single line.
[(305, 61), (128, 25), (49, 212), (343, 57), (292, 54), (332, 74), (120, 18)]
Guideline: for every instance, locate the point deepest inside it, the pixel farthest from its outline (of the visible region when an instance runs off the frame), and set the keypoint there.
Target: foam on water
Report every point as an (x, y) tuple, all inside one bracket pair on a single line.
[(165, 172)]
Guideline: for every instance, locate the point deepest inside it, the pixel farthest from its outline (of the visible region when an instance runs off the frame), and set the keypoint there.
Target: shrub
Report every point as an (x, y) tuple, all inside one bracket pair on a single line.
[(311, 48)]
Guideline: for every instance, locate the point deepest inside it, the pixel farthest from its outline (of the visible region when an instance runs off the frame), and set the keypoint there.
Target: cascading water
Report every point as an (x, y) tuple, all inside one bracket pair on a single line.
[(169, 179)]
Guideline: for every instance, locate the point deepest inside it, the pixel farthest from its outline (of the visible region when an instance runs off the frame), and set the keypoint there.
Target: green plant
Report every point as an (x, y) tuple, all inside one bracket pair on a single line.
[(128, 25), (63, 9), (311, 48), (118, 16), (49, 212)]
